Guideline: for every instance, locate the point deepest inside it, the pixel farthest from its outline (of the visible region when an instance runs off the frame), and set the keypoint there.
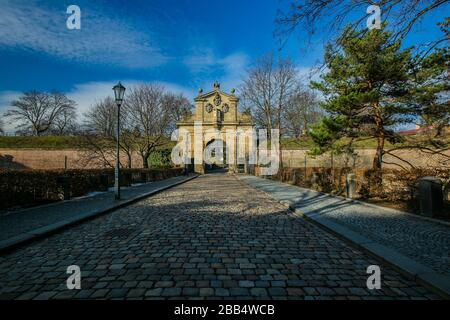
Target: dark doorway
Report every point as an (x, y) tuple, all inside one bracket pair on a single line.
[(219, 159)]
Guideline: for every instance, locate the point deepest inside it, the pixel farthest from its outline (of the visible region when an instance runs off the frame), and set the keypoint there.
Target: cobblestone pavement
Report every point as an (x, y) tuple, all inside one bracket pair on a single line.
[(16, 223), (213, 237), (422, 240)]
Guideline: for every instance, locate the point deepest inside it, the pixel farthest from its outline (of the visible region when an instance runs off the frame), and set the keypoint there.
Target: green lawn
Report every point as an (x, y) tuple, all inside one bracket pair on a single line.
[(48, 142), (70, 142), (307, 143), (45, 142)]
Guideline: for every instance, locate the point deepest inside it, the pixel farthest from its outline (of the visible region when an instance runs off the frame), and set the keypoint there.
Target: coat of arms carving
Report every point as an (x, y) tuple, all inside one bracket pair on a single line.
[(217, 100)]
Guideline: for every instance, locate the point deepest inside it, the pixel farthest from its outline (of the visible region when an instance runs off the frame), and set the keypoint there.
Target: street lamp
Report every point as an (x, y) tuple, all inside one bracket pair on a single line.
[(119, 92)]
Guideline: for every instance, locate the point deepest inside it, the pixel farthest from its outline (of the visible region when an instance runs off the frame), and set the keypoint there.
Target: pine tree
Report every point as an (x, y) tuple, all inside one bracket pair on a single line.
[(430, 74), (431, 91), (367, 91)]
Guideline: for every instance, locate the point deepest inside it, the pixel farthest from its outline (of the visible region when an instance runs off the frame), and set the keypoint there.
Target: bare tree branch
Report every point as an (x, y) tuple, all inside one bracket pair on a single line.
[(36, 112)]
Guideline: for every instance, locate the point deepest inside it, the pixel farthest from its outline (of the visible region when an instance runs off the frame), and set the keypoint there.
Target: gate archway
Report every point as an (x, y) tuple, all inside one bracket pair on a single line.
[(215, 111), (216, 155)]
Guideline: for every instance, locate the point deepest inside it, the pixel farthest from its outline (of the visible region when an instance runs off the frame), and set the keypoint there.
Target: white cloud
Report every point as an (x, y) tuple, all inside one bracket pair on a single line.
[(201, 61), (206, 67), (102, 39), (188, 92), (308, 74), (87, 94), (6, 97)]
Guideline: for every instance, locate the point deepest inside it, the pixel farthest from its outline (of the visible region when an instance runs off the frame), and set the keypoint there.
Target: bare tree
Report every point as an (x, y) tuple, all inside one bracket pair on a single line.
[(36, 111), (179, 107), (302, 110), (266, 91), (147, 119), (101, 118), (258, 92), (2, 130), (334, 14), (285, 79), (99, 138), (150, 110), (65, 123)]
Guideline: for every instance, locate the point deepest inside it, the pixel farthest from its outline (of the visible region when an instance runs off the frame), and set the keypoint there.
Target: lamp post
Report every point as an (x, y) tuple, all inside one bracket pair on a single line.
[(119, 92)]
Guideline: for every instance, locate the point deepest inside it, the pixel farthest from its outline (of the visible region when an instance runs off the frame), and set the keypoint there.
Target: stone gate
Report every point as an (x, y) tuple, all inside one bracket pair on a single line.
[(215, 117)]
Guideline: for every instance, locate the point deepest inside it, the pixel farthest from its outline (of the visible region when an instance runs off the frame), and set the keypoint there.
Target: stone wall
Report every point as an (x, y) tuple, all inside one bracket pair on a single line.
[(397, 185), (55, 159), (50, 159), (364, 158)]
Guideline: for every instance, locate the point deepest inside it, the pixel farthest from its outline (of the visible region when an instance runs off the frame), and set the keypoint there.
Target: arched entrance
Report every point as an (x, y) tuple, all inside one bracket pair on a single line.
[(216, 156), (215, 111)]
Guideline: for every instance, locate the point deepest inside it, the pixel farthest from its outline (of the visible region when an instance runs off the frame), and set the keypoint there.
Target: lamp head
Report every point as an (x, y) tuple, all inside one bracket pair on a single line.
[(119, 92)]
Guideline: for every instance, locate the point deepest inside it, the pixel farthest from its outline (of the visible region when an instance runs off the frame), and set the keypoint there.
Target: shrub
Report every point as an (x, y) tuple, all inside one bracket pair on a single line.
[(398, 185), (160, 159)]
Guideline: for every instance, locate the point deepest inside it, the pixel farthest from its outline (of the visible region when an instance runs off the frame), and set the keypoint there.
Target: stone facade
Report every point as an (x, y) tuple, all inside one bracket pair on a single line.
[(216, 117)]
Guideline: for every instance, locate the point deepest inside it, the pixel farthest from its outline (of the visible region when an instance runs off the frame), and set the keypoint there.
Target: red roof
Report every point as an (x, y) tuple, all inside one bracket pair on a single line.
[(415, 131)]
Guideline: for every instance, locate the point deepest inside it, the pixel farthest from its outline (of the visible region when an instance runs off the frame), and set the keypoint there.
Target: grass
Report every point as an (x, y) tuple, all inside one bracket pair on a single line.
[(307, 143), (49, 142), (44, 142), (72, 142)]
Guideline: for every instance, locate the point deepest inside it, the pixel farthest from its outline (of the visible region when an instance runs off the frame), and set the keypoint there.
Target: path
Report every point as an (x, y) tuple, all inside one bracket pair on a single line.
[(213, 237), (421, 245), (18, 226)]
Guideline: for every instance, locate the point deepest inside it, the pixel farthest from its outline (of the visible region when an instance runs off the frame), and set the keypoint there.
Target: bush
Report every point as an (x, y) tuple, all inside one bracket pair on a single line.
[(397, 185), (160, 159), (31, 187)]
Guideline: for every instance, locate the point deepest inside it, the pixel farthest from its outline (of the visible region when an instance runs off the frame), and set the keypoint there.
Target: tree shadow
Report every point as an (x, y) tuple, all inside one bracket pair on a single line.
[(188, 239), (7, 162)]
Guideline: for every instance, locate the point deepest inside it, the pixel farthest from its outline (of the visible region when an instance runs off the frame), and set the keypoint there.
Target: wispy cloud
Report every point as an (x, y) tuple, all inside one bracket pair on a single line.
[(102, 39), (206, 67)]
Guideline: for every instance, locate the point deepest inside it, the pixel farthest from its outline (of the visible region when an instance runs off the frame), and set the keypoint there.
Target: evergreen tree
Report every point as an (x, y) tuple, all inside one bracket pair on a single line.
[(432, 87), (367, 90)]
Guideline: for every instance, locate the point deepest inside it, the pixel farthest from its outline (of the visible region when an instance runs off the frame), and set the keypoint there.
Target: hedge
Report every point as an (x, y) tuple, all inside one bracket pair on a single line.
[(397, 185), (33, 187)]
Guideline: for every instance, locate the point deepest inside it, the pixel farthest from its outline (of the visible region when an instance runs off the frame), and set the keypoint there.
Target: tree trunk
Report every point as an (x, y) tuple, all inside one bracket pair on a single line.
[(377, 166), (280, 148), (129, 160), (269, 129), (145, 160), (377, 177)]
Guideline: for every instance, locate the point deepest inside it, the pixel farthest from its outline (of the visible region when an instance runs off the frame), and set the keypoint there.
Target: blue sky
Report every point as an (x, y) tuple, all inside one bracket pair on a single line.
[(183, 44)]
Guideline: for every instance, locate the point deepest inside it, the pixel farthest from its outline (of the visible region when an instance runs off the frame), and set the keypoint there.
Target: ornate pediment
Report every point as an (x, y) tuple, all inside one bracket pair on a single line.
[(219, 96), (217, 107)]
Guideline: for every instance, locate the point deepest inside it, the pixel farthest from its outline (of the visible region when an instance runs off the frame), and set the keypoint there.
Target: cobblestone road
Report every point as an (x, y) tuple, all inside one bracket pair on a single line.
[(213, 237), (421, 240), (15, 223)]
